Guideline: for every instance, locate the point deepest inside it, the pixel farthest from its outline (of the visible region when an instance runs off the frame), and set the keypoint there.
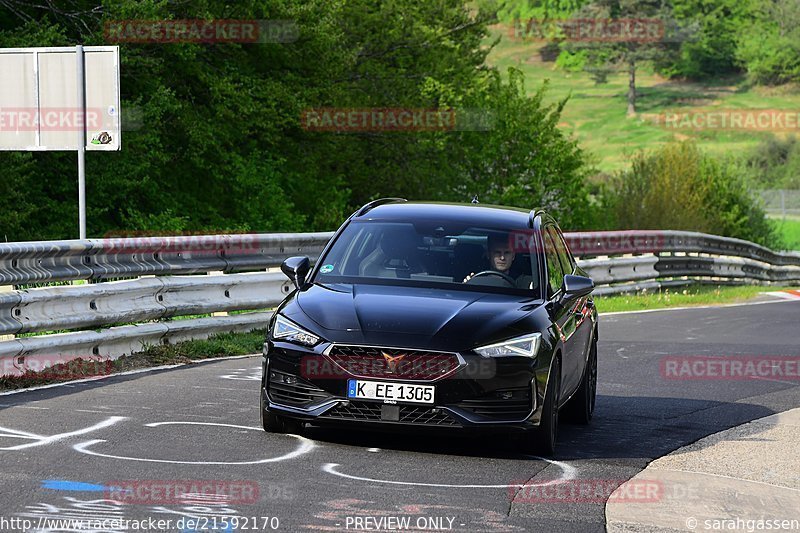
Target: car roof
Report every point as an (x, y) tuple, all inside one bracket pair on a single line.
[(478, 214)]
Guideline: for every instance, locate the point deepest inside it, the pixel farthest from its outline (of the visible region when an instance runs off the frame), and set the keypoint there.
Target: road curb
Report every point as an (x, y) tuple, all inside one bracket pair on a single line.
[(126, 373), (742, 479)]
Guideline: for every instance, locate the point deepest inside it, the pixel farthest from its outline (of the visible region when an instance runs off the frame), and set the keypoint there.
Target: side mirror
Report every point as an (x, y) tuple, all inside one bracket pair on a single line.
[(577, 287), (296, 269)]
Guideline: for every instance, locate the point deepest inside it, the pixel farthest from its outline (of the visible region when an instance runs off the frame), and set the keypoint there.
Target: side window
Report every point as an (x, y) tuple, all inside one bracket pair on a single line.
[(555, 273), (563, 253)]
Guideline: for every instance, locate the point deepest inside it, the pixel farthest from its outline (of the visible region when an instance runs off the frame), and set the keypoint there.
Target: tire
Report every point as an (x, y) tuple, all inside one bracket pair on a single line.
[(542, 440), (271, 422), (580, 408)]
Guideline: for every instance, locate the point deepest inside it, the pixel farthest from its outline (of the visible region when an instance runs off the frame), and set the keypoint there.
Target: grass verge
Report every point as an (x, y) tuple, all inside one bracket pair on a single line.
[(222, 345), (680, 297), (789, 230)]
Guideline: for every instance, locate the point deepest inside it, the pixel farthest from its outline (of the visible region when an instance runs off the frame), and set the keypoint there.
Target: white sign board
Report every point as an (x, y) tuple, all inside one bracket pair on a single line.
[(39, 107)]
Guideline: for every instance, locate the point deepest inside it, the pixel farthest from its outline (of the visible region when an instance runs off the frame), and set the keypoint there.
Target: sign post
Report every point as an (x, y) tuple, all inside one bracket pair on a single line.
[(79, 61)]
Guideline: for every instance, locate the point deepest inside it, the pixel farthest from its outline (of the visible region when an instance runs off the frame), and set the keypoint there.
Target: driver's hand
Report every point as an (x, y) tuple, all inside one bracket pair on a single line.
[(469, 277)]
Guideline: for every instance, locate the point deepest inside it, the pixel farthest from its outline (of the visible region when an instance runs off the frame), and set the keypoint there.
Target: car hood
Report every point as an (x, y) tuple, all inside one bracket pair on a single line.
[(406, 316)]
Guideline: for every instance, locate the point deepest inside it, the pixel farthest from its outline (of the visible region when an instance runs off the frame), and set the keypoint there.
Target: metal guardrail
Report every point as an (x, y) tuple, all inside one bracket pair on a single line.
[(98, 259), (143, 299), (114, 342), (624, 261), (161, 287)]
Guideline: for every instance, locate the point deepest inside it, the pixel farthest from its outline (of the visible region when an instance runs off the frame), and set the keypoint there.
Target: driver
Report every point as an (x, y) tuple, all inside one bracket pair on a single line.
[(501, 257)]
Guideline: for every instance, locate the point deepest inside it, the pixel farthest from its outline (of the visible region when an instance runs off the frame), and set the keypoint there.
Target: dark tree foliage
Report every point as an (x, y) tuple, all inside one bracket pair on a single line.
[(710, 50), (213, 136)]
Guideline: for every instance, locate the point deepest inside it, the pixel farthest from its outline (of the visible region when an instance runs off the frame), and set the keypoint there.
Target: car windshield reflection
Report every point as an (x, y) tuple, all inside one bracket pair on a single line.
[(481, 258)]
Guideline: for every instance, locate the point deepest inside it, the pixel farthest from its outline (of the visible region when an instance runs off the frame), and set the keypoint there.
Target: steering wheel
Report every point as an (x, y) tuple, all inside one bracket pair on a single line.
[(508, 279)]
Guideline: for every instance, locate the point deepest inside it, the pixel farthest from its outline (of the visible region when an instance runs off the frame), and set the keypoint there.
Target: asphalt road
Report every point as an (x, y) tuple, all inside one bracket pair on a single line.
[(62, 448)]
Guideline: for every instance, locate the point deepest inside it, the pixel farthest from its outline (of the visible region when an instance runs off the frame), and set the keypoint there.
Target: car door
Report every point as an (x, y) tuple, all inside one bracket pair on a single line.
[(580, 310), (561, 316)]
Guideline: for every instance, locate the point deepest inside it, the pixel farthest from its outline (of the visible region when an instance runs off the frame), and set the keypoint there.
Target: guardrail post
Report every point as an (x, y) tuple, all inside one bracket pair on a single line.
[(218, 313), (6, 288)]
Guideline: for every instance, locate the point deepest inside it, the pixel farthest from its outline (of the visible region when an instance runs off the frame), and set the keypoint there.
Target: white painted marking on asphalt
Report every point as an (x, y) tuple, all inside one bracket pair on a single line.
[(23, 406), (183, 423), (15, 433), (568, 472), (238, 374), (784, 295), (306, 445), (221, 388), (774, 380), (43, 441), (373, 450)]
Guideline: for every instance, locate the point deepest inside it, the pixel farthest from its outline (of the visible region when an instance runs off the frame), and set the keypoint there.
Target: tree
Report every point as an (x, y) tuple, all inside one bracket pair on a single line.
[(769, 47), (524, 160), (711, 48), (510, 11), (628, 53), (221, 145)]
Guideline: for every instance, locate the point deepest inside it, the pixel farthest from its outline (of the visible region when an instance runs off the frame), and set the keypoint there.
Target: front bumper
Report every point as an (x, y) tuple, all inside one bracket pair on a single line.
[(481, 393)]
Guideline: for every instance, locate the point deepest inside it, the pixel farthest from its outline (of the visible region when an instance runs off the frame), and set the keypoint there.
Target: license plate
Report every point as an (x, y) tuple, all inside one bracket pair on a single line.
[(387, 391)]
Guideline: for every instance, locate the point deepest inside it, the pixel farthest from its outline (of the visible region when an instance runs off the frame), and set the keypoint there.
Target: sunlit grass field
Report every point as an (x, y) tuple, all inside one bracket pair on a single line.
[(680, 297), (596, 114), (789, 229)]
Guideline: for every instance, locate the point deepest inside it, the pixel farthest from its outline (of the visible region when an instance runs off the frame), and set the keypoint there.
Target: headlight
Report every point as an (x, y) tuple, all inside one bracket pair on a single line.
[(526, 346), (287, 330)]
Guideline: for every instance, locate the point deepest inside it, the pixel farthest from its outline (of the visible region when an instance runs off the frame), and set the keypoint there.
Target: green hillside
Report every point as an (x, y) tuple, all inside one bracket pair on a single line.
[(596, 114)]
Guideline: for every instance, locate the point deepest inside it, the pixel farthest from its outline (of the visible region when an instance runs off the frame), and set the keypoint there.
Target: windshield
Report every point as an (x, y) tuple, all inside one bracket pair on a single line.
[(430, 253)]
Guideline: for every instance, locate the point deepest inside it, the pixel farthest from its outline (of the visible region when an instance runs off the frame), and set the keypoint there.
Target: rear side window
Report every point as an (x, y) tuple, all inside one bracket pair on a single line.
[(564, 257), (555, 272)]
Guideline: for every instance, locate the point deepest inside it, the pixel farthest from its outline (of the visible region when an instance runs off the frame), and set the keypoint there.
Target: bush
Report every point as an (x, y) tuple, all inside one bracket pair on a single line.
[(770, 58), (709, 33), (680, 188), (571, 62), (775, 164), (769, 46)]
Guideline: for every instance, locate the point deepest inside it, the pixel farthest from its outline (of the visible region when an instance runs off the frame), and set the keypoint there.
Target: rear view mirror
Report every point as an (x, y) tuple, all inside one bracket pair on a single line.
[(296, 269), (577, 286)]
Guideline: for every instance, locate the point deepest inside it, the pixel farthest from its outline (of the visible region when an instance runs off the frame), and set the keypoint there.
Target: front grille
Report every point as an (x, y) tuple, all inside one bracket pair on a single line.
[(394, 363), (507, 404), (287, 389), (409, 414)]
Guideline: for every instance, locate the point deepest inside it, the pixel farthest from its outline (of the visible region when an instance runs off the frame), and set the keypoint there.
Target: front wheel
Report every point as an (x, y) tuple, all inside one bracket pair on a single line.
[(273, 423), (581, 406), (542, 441)]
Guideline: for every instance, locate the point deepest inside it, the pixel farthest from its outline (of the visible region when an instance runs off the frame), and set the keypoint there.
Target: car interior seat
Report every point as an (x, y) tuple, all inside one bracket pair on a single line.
[(397, 256)]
